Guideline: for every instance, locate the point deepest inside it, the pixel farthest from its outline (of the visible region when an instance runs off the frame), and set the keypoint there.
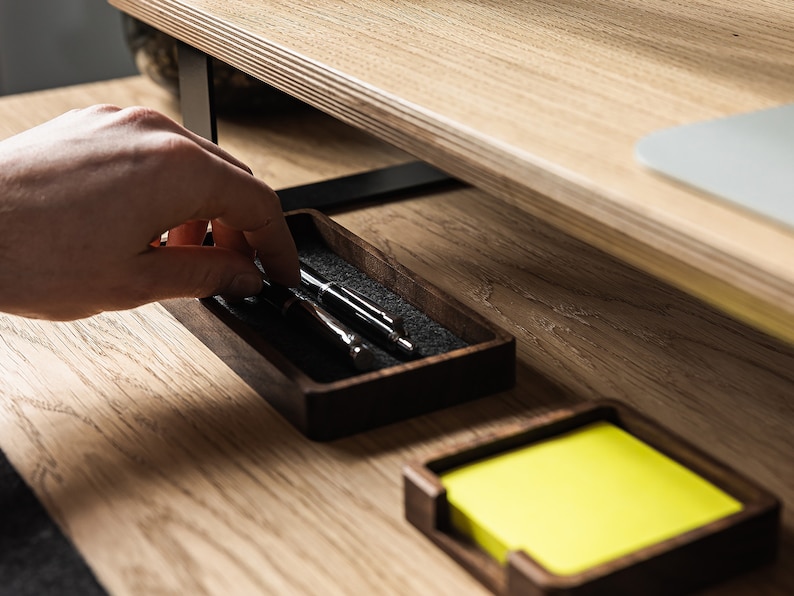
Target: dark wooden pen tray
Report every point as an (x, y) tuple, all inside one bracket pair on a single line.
[(463, 355)]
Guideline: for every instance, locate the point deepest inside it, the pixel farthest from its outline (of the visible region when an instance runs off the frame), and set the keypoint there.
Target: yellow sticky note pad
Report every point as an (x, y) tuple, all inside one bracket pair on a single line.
[(580, 499)]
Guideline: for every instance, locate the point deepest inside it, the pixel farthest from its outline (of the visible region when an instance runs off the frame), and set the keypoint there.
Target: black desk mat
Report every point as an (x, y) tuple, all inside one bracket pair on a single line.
[(35, 556)]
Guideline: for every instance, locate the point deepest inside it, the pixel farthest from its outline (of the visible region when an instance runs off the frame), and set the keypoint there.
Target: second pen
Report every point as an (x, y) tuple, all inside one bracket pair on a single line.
[(358, 309)]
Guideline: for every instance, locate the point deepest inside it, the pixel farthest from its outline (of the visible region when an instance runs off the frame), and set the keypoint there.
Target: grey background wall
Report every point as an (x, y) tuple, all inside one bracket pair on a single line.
[(52, 43)]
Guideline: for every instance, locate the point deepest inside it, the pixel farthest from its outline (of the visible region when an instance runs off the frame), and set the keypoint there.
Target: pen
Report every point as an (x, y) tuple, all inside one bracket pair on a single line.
[(356, 308), (320, 322)]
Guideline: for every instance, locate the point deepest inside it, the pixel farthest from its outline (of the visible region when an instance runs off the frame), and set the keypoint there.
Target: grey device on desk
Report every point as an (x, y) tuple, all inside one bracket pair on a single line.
[(352, 305), (320, 322), (747, 159)]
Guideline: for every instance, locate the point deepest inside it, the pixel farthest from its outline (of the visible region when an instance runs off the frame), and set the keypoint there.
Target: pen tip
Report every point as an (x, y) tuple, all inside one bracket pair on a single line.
[(363, 359), (405, 345)]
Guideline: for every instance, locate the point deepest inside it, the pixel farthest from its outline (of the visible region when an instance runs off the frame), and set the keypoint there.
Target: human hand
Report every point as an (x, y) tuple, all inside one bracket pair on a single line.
[(85, 198)]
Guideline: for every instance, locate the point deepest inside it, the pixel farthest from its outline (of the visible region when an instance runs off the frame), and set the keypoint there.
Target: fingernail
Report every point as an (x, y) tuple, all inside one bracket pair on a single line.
[(244, 285)]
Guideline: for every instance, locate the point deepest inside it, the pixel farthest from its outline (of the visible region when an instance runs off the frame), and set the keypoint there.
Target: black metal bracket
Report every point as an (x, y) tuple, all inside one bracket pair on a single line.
[(197, 99), (393, 182)]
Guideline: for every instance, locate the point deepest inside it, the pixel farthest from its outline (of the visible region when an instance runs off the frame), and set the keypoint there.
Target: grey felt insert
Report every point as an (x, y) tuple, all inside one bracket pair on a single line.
[(316, 359)]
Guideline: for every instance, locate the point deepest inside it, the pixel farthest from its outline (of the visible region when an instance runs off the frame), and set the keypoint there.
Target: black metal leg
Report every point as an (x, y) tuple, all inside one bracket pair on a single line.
[(198, 115), (196, 92)]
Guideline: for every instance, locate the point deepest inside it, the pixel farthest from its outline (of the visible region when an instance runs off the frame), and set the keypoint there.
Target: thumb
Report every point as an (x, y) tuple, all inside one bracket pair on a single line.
[(198, 272)]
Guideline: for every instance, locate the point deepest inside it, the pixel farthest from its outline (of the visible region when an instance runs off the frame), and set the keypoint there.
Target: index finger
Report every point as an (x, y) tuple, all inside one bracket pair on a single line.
[(206, 186), (265, 229)]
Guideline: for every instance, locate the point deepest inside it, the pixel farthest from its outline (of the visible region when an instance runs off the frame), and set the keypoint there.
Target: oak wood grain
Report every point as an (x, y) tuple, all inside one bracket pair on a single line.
[(540, 103), (172, 476)]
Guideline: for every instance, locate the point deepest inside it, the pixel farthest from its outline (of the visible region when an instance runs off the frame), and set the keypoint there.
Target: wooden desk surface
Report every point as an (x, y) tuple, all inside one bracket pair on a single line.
[(541, 103), (172, 476)]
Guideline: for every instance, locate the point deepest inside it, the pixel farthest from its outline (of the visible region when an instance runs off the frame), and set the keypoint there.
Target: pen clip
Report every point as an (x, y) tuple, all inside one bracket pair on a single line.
[(394, 322)]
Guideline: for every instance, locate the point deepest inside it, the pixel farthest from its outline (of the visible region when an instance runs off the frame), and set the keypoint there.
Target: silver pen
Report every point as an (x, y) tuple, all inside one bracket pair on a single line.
[(358, 309), (320, 322)]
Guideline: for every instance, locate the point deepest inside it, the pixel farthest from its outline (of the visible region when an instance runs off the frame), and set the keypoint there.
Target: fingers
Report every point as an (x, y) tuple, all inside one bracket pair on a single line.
[(193, 180), (194, 271), (252, 207), (241, 207), (232, 239), (188, 234)]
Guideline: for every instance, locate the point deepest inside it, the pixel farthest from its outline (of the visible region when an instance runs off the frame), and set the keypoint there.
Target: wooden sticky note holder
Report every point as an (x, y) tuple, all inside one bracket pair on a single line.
[(736, 540), (463, 356)]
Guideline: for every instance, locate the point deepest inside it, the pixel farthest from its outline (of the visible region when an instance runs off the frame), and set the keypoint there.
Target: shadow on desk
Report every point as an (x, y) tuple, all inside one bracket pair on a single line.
[(533, 395)]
